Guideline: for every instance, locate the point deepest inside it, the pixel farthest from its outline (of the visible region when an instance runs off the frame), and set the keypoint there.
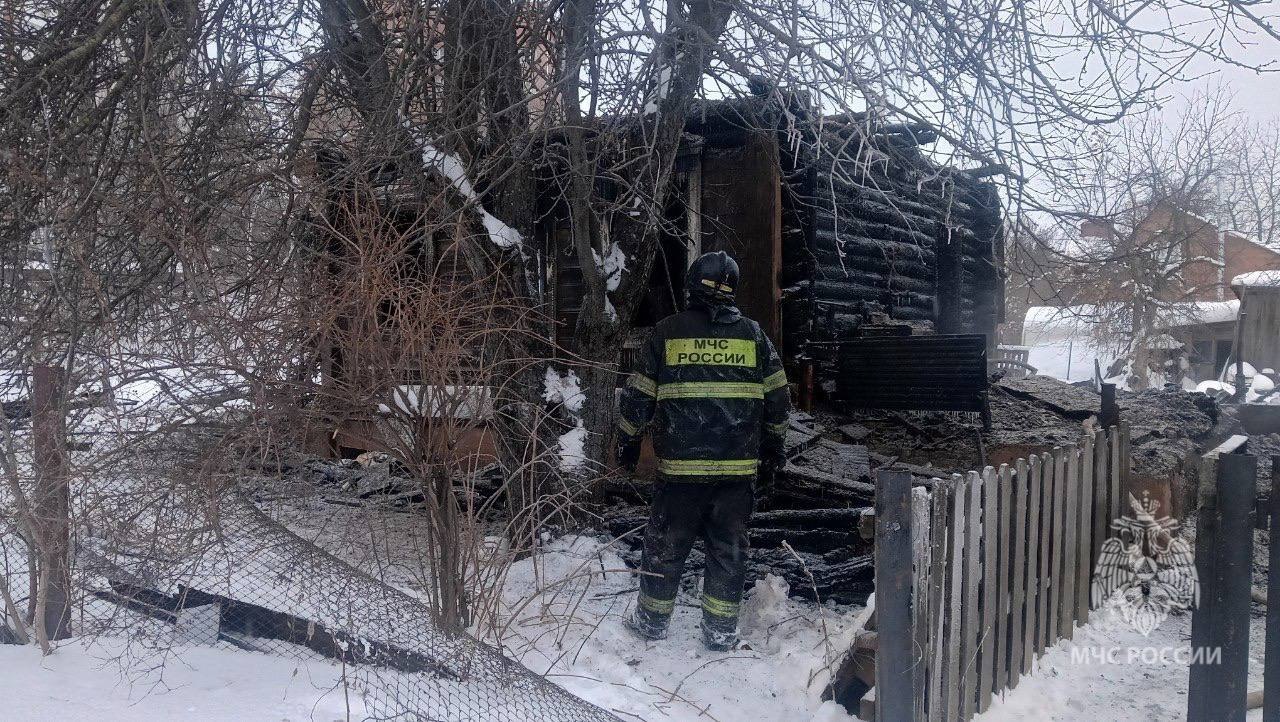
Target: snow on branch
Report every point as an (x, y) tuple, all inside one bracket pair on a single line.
[(1257, 278), (612, 265), (451, 167), (566, 390)]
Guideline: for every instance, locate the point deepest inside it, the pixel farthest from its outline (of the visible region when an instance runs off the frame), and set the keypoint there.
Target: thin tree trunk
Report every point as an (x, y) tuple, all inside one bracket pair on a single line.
[(52, 502), (603, 324)]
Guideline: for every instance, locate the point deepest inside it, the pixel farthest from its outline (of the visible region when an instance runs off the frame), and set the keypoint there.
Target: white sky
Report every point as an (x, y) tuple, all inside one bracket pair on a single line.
[(1256, 94)]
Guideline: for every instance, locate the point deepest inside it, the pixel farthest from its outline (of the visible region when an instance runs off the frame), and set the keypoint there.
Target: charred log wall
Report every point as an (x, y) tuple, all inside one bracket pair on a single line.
[(870, 224)]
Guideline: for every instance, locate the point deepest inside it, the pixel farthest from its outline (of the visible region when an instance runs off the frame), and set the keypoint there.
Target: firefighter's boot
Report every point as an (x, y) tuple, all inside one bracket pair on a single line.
[(719, 634), (648, 624)]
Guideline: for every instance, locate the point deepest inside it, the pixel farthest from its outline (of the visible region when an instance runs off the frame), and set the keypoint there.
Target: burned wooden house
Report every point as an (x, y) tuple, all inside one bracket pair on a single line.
[(844, 229), (843, 226)]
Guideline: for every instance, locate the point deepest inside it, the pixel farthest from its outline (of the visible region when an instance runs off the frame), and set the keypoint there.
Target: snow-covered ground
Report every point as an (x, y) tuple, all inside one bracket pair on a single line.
[(86, 682), (1145, 677), (564, 614), (565, 621)]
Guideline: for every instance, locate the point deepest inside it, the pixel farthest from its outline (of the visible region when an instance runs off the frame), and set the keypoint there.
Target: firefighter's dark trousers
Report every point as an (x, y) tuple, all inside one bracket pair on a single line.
[(682, 512)]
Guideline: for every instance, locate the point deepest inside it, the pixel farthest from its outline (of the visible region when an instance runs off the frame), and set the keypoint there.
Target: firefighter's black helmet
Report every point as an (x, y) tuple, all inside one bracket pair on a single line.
[(712, 278)]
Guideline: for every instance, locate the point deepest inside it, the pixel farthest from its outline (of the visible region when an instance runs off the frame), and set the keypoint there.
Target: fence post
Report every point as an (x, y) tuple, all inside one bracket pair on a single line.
[(1109, 414), (1032, 585), (1084, 565), (895, 662), (972, 578), (1217, 688), (1020, 543), (992, 596), (1271, 673)]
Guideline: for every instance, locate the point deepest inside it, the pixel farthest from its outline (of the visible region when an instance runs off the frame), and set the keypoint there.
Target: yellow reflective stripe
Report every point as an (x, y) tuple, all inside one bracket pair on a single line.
[(657, 606), (710, 351), (642, 383), (719, 607), (775, 381), (708, 467), (719, 286), (627, 427), (711, 390)]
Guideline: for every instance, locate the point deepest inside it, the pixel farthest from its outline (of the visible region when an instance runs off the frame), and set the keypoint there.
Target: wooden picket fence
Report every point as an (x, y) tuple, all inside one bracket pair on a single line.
[(1000, 564)]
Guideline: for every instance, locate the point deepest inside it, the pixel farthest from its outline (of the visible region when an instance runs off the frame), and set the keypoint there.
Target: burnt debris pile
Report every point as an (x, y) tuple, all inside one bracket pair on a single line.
[(815, 530)]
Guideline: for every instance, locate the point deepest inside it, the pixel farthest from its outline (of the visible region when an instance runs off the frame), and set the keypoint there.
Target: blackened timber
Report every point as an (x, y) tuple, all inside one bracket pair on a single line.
[(853, 290), (950, 284), (808, 517), (876, 239), (904, 263), (887, 281), (944, 372), (911, 234), (902, 196)]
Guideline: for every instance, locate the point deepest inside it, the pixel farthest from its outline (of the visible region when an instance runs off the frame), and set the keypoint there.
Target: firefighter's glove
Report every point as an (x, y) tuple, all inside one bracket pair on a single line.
[(628, 452), (765, 479)]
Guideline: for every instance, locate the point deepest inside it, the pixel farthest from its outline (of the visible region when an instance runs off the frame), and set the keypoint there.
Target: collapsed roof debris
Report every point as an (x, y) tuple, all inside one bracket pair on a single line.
[(827, 488)]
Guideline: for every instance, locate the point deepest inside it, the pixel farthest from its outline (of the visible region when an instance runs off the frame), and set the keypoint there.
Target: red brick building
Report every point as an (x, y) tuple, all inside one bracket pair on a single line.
[(1212, 256)]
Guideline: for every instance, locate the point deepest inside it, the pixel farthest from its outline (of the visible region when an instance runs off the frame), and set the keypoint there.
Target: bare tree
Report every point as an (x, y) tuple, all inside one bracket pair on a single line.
[(1135, 240), (209, 197), (1251, 192)]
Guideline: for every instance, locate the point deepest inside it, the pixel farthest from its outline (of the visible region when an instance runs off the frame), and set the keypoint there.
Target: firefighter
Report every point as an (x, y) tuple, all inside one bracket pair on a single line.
[(710, 389)]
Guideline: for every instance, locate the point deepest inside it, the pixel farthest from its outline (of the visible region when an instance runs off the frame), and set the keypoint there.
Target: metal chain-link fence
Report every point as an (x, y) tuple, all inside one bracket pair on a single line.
[(170, 548)]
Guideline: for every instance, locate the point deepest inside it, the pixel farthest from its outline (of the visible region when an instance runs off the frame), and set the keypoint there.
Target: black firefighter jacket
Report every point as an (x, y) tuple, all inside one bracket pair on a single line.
[(710, 388)]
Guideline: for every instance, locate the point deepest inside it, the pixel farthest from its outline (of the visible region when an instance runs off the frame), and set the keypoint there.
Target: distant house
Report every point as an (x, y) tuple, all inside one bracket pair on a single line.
[(1259, 293), (1197, 311), (1213, 256), (1194, 341)]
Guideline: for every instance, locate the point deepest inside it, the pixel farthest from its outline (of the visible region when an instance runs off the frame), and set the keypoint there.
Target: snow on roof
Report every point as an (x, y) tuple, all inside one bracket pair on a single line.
[(1061, 322), (1257, 278), (1195, 313)]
